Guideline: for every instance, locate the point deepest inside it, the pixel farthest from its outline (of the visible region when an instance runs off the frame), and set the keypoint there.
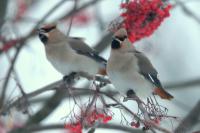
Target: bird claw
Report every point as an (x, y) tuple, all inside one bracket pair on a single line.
[(114, 105), (102, 84), (130, 95), (69, 79), (127, 98), (130, 98)]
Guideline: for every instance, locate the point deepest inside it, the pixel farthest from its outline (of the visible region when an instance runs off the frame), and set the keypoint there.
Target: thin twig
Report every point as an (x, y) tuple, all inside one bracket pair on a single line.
[(23, 40), (2, 98), (72, 17), (153, 125), (50, 87), (86, 5), (187, 11)]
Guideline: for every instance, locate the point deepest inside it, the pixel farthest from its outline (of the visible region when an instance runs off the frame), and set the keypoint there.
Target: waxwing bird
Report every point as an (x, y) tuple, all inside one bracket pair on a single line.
[(69, 55), (130, 71)]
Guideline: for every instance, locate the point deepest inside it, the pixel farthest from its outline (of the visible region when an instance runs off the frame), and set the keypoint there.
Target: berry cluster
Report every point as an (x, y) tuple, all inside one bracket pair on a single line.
[(90, 119), (142, 17)]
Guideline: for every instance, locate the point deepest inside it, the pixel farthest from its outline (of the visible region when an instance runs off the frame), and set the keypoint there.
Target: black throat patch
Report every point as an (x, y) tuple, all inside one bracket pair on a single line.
[(115, 44)]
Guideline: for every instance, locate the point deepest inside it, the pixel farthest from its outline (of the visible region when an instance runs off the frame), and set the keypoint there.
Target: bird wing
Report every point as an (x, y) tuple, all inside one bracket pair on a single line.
[(150, 73), (78, 45), (147, 69)]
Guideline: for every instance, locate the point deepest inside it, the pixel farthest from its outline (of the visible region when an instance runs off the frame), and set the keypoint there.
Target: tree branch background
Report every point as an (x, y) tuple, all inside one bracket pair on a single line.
[(173, 49)]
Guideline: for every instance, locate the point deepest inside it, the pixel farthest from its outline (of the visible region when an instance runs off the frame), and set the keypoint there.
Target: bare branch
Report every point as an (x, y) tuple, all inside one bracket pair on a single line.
[(61, 96), (187, 11), (59, 85), (71, 13), (49, 106), (34, 128), (71, 20), (183, 84), (153, 125), (190, 120), (23, 42), (119, 127), (104, 42), (3, 6), (2, 98)]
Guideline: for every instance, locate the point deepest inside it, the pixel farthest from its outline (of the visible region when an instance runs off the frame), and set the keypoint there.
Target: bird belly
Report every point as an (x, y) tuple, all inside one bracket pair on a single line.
[(86, 64), (62, 66), (124, 81), (73, 63)]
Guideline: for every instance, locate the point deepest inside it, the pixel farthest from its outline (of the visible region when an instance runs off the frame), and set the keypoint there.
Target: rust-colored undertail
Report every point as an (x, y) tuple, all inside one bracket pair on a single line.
[(163, 94), (102, 71)]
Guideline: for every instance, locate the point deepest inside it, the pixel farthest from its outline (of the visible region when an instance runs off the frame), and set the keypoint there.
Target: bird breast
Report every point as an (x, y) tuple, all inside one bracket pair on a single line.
[(124, 75), (122, 62), (65, 60), (60, 58)]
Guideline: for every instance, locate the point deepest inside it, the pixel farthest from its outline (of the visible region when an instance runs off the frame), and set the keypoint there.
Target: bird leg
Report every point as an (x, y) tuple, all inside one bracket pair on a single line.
[(130, 95), (69, 79), (98, 84)]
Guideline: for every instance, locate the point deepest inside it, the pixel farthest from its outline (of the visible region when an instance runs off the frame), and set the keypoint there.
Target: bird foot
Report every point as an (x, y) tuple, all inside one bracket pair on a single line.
[(102, 84), (114, 105), (130, 95), (69, 79), (128, 98)]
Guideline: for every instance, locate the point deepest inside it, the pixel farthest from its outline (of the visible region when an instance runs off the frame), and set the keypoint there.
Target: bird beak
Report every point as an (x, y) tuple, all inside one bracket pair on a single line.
[(117, 40), (40, 30)]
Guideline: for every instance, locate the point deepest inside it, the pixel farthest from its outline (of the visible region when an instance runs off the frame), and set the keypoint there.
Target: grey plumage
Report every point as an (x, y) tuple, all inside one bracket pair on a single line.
[(146, 68), (69, 54), (81, 47), (129, 69)]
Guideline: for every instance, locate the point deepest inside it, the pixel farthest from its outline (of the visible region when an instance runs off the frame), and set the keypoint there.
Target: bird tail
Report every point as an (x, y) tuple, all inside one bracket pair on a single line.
[(102, 71), (162, 93)]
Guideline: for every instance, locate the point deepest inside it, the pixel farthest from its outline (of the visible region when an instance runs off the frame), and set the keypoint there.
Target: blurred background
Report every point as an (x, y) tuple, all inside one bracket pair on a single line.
[(174, 50)]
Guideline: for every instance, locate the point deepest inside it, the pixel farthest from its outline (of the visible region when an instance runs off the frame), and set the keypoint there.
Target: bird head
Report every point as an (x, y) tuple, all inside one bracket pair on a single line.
[(119, 37), (49, 34)]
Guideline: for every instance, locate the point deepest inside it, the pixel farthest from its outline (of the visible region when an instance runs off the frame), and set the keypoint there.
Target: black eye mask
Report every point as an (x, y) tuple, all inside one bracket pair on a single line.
[(121, 38), (46, 30), (116, 42), (43, 38)]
